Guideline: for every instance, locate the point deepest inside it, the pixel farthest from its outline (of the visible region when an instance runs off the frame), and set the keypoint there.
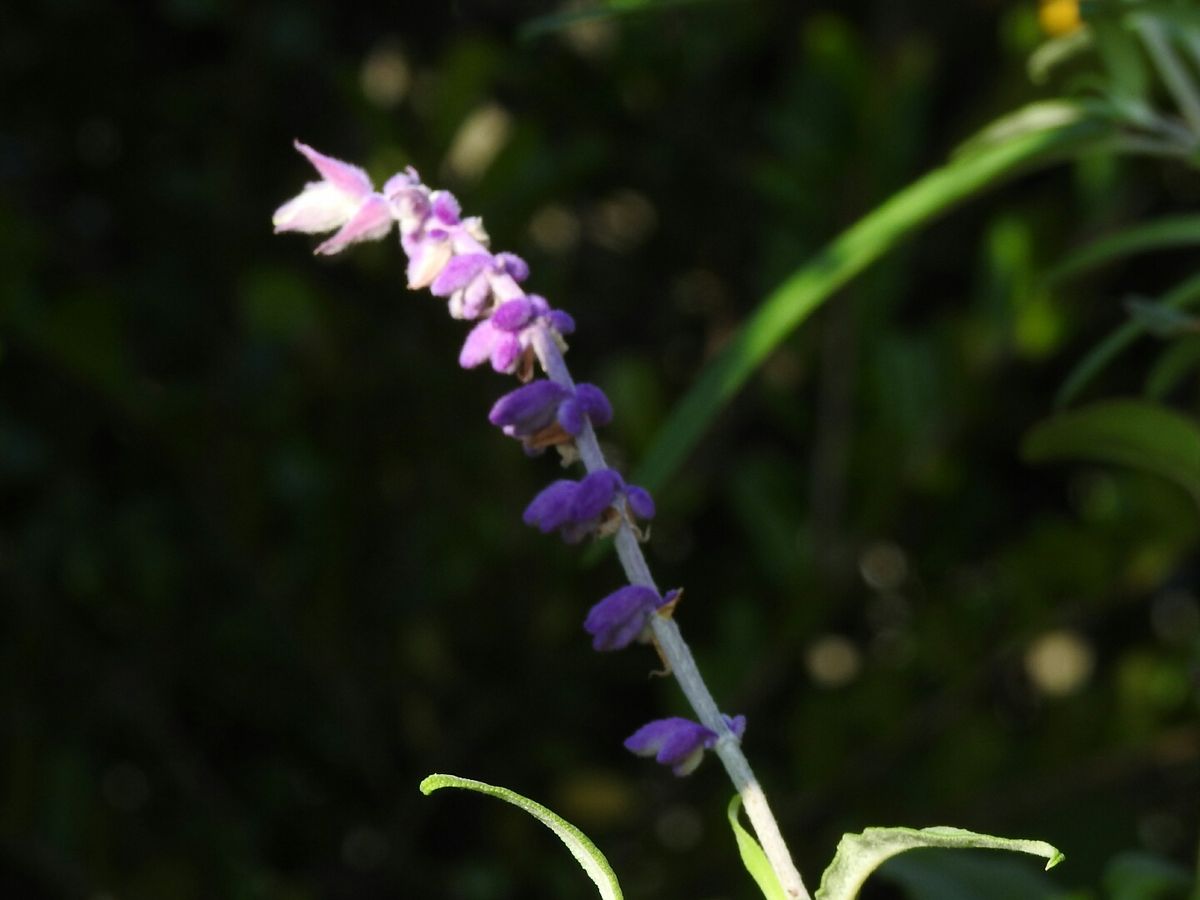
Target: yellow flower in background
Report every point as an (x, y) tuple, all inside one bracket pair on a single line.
[(1059, 17)]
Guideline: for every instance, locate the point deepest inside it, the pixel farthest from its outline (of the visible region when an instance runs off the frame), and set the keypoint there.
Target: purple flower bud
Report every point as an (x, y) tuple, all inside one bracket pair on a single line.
[(458, 273), (595, 494), (551, 509), (622, 617), (513, 266), (529, 408), (640, 501), (561, 321), (677, 742), (589, 400), (488, 342), (513, 315), (445, 207)]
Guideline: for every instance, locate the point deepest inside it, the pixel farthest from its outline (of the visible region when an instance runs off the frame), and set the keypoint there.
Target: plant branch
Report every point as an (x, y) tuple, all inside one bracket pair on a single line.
[(679, 657)]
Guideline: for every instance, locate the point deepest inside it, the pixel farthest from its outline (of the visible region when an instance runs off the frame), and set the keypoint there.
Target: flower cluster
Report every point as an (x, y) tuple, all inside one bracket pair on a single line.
[(513, 331)]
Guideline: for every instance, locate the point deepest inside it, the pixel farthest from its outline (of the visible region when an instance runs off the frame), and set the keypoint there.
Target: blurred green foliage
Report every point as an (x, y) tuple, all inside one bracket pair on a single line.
[(261, 563)]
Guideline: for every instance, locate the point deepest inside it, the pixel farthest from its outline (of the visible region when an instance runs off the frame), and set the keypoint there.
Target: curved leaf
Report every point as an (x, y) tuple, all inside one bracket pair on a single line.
[(1182, 296), (858, 855), (1134, 433), (589, 857), (753, 857), (1161, 234), (782, 311)]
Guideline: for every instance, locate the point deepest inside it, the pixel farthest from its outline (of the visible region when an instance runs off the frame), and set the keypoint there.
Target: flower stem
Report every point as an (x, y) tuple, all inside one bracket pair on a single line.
[(677, 654)]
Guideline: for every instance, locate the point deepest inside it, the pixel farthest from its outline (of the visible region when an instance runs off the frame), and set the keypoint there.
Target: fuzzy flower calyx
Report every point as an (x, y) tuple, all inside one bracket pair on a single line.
[(679, 743), (544, 413), (596, 504), (624, 616)]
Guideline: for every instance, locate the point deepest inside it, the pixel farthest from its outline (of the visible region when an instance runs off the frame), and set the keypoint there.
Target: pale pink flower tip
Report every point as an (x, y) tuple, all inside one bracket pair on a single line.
[(344, 199)]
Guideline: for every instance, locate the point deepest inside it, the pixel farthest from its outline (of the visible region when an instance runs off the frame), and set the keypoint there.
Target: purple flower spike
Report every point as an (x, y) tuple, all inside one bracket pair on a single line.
[(343, 200), (679, 743), (622, 617)]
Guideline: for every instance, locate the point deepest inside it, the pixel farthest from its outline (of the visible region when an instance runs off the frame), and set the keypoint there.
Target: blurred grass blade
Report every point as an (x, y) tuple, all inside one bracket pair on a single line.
[(1161, 234), (858, 855), (589, 857), (548, 24), (1056, 52), (1178, 361), (1182, 296), (753, 857), (939, 191), (1161, 321), (1134, 433)]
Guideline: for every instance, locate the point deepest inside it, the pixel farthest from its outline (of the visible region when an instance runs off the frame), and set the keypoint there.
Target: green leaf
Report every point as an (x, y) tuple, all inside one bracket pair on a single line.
[(858, 855), (1176, 362), (1134, 433), (785, 308), (589, 857), (1161, 234), (548, 24), (1056, 52), (753, 857), (1161, 321), (1182, 296)]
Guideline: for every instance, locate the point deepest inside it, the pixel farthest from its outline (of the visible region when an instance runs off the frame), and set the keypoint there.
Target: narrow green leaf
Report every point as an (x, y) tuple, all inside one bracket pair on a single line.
[(1182, 296), (1056, 52), (1161, 234), (1161, 321), (858, 855), (1134, 433), (548, 24), (753, 858), (785, 308), (1172, 366), (589, 857)]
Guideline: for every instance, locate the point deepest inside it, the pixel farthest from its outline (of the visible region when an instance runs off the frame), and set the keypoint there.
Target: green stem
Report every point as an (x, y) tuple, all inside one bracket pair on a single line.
[(849, 254)]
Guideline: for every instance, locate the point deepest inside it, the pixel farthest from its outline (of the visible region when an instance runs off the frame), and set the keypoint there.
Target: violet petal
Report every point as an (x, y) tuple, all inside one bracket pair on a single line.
[(617, 620), (551, 508), (529, 408), (595, 494), (458, 273), (372, 221), (513, 315), (640, 501)]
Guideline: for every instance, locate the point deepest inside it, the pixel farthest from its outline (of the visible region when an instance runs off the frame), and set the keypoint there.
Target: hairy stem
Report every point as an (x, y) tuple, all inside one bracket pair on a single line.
[(679, 657)]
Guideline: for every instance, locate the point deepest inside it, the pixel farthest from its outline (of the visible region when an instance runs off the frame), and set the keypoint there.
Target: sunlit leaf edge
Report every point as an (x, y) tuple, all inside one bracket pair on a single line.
[(586, 853), (858, 855)]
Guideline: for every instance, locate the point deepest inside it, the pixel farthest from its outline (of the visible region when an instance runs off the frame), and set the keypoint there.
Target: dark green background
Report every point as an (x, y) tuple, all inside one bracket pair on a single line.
[(261, 560)]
